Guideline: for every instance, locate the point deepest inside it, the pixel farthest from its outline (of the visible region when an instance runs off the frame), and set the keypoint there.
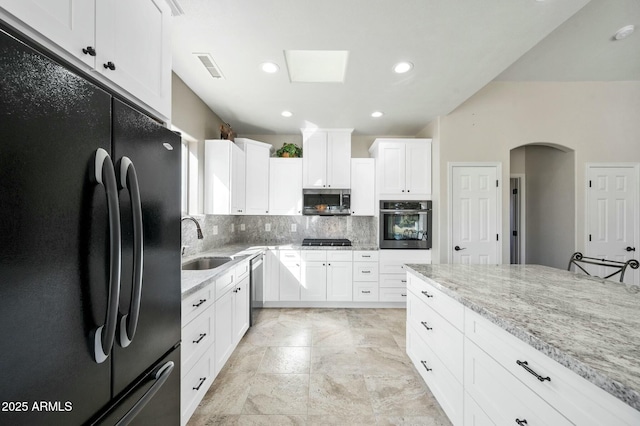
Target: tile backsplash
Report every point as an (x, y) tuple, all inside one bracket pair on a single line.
[(360, 230)]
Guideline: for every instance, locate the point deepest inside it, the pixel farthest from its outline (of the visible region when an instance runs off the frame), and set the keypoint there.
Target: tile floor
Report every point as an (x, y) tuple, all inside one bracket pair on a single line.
[(321, 367)]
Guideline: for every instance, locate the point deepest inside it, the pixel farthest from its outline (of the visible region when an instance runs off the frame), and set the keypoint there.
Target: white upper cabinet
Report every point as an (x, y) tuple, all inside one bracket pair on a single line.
[(135, 36), (326, 158), (131, 37), (256, 156), (363, 195), (223, 178), (285, 186), (403, 168), (69, 24)]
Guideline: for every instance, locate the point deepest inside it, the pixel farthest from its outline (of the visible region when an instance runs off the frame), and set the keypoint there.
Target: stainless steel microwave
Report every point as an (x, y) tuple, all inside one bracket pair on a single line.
[(405, 224), (326, 202)]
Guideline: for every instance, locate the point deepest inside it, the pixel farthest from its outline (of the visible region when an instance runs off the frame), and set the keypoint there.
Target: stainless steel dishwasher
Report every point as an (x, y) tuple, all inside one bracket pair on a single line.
[(257, 286)]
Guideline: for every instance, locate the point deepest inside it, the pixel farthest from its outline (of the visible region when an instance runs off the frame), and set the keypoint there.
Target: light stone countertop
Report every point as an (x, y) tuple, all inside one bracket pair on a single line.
[(589, 325), (192, 281)]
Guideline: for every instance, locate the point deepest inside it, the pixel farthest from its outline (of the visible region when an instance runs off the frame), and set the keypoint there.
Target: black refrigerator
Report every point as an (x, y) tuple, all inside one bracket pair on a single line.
[(89, 251)]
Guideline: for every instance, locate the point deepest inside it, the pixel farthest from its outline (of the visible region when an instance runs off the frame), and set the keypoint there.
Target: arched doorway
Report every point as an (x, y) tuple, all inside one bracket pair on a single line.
[(542, 204)]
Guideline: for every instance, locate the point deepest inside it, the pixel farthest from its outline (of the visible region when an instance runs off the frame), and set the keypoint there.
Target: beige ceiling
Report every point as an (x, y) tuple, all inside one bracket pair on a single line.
[(456, 46)]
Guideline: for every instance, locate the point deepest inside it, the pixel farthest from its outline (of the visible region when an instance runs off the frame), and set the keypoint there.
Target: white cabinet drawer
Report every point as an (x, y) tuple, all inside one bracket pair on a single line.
[(290, 255), (393, 294), (242, 270), (447, 390), (391, 267), (365, 256), (393, 280), (313, 255), (365, 271), (473, 414), (578, 399), (503, 397), (448, 308), (339, 256), (197, 337), (441, 337), (225, 283), (197, 303), (194, 385), (365, 292)]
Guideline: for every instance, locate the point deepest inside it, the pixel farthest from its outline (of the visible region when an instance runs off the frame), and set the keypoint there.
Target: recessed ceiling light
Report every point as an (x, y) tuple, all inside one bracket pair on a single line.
[(286, 113), (624, 32), (377, 114), (269, 67), (402, 67)]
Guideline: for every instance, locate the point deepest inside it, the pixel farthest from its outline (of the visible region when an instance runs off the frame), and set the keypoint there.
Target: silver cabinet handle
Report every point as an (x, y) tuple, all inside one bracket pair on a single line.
[(103, 336), (160, 377), (129, 181)]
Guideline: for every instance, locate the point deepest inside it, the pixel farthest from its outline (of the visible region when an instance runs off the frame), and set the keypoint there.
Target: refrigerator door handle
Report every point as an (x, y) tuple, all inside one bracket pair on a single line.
[(129, 180), (104, 335), (160, 377)]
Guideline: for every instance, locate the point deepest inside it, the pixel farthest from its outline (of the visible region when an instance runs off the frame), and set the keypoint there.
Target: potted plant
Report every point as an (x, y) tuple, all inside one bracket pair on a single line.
[(289, 150)]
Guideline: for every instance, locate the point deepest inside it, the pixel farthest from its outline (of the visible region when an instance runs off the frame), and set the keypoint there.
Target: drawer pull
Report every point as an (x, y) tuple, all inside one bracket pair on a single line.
[(521, 422), (202, 336), (424, 364), (426, 326), (403, 281), (197, 305), (366, 272), (403, 295), (366, 255), (202, 380), (525, 365), (427, 294), (366, 291)]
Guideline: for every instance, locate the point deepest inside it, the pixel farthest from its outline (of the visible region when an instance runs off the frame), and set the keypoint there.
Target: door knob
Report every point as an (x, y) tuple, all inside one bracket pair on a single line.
[(458, 248), (630, 248)]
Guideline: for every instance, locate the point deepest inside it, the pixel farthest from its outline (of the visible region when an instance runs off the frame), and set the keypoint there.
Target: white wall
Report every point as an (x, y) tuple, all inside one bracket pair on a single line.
[(598, 120)]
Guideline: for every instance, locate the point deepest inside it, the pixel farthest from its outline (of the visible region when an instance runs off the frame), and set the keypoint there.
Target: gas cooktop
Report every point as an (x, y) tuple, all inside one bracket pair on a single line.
[(328, 242)]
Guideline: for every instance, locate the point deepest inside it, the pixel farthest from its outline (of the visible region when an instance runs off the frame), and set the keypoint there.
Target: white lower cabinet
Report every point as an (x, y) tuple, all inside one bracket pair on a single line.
[(214, 319), (502, 380), (326, 276), (503, 397), (392, 275), (290, 275), (444, 386), (224, 329)]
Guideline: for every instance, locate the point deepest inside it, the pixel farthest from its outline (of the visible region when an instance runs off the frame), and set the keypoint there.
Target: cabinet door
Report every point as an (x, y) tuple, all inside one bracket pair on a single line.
[(418, 163), (340, 281), (314, 281), (217, 176), (272, 277), (224, 338), (392, 168), (339, 160), (69, 24), (363, 197), (285, 186), (289, 280), (257, 179), (314, 160), (240, 310), (237, 180), (135, 36)]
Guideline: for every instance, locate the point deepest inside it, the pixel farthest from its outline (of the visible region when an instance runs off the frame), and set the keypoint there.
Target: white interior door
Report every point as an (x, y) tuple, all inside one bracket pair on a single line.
[(475, 215), (612, 216)]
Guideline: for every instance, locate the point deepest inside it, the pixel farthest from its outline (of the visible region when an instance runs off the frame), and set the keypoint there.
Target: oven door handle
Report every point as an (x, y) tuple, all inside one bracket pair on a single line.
[(405, 211)]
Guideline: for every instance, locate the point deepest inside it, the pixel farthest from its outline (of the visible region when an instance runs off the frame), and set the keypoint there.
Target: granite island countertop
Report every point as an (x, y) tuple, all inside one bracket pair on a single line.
[(192, 281), (587, 324)]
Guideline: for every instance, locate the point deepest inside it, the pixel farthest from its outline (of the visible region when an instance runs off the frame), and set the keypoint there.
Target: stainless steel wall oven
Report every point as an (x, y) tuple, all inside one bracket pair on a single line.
[(405, 225)]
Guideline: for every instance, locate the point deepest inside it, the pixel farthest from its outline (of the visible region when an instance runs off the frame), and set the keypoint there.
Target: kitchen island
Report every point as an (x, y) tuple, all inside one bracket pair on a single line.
[(584, 328)]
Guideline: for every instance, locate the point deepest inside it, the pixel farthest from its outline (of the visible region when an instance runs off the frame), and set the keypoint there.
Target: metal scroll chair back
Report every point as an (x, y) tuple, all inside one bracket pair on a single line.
[(578, 260)]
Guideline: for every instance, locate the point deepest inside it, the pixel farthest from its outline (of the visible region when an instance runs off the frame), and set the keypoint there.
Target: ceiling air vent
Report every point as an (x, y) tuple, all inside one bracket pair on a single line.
[(209, 64)]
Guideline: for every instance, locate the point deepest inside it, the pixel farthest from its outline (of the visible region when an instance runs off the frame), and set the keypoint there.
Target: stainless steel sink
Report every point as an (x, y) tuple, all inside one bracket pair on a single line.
[(204, 263)]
